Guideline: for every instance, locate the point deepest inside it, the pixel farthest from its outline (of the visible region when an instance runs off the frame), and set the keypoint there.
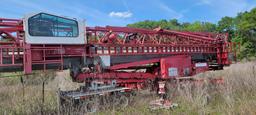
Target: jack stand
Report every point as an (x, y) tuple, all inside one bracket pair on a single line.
[(163, 102)]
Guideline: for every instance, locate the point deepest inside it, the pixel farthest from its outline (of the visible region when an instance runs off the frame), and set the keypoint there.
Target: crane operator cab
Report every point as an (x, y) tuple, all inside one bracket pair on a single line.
[(43, 28)]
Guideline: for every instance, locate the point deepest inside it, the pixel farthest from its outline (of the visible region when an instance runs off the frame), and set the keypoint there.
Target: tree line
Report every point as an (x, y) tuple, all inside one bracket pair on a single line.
[(241, 28)]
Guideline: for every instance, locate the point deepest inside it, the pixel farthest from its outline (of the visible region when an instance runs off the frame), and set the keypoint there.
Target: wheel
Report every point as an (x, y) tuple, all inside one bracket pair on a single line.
[(90, 106), (121, 102), (65, 105)]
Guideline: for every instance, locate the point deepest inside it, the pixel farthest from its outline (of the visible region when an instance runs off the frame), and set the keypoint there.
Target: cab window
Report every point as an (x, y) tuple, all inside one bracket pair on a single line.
[(52, 26)]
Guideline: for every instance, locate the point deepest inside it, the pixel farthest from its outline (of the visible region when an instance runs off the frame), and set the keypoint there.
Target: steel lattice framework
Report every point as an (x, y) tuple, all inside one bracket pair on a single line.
[(108, 40)]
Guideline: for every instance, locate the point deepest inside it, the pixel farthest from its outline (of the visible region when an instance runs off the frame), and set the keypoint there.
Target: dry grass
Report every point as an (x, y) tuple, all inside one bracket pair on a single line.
[(236, 96)]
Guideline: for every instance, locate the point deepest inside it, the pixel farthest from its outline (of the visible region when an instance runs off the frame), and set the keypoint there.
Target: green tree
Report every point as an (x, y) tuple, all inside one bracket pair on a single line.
[(227, 25), (201, 27), (247, 31), (149, 24)]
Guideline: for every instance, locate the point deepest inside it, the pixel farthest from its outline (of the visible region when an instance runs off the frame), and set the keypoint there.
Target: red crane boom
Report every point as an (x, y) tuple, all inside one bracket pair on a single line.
[(106, 51)]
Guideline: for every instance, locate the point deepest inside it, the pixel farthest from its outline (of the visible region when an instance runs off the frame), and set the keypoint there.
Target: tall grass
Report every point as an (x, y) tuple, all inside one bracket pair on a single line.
[(17, 97), (236, 96)]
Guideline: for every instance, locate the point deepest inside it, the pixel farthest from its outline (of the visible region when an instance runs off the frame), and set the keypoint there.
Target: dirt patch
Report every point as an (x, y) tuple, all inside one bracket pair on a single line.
[(62, 81)]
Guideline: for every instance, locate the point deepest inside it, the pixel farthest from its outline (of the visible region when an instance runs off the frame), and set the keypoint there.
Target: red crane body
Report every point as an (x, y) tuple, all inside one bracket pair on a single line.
[(129, 55)]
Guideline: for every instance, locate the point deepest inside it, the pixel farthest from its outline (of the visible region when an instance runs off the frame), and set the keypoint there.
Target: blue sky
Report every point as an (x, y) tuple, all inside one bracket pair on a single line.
[(122, 12)]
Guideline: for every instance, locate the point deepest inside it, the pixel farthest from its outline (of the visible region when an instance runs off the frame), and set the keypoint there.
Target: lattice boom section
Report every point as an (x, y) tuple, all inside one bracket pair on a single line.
[(150, 49), (10, 56), (132, 36)]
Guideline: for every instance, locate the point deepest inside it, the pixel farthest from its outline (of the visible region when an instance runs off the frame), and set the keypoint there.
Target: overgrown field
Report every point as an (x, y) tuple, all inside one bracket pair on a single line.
[(236, 96)]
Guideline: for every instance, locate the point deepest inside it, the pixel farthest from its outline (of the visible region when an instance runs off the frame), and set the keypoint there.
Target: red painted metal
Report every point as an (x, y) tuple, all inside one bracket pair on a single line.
[(200, 69), (113, 75), (136, 49), (133, 41), (181, 63), (143, 36), (115, 41), (139, 63)]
